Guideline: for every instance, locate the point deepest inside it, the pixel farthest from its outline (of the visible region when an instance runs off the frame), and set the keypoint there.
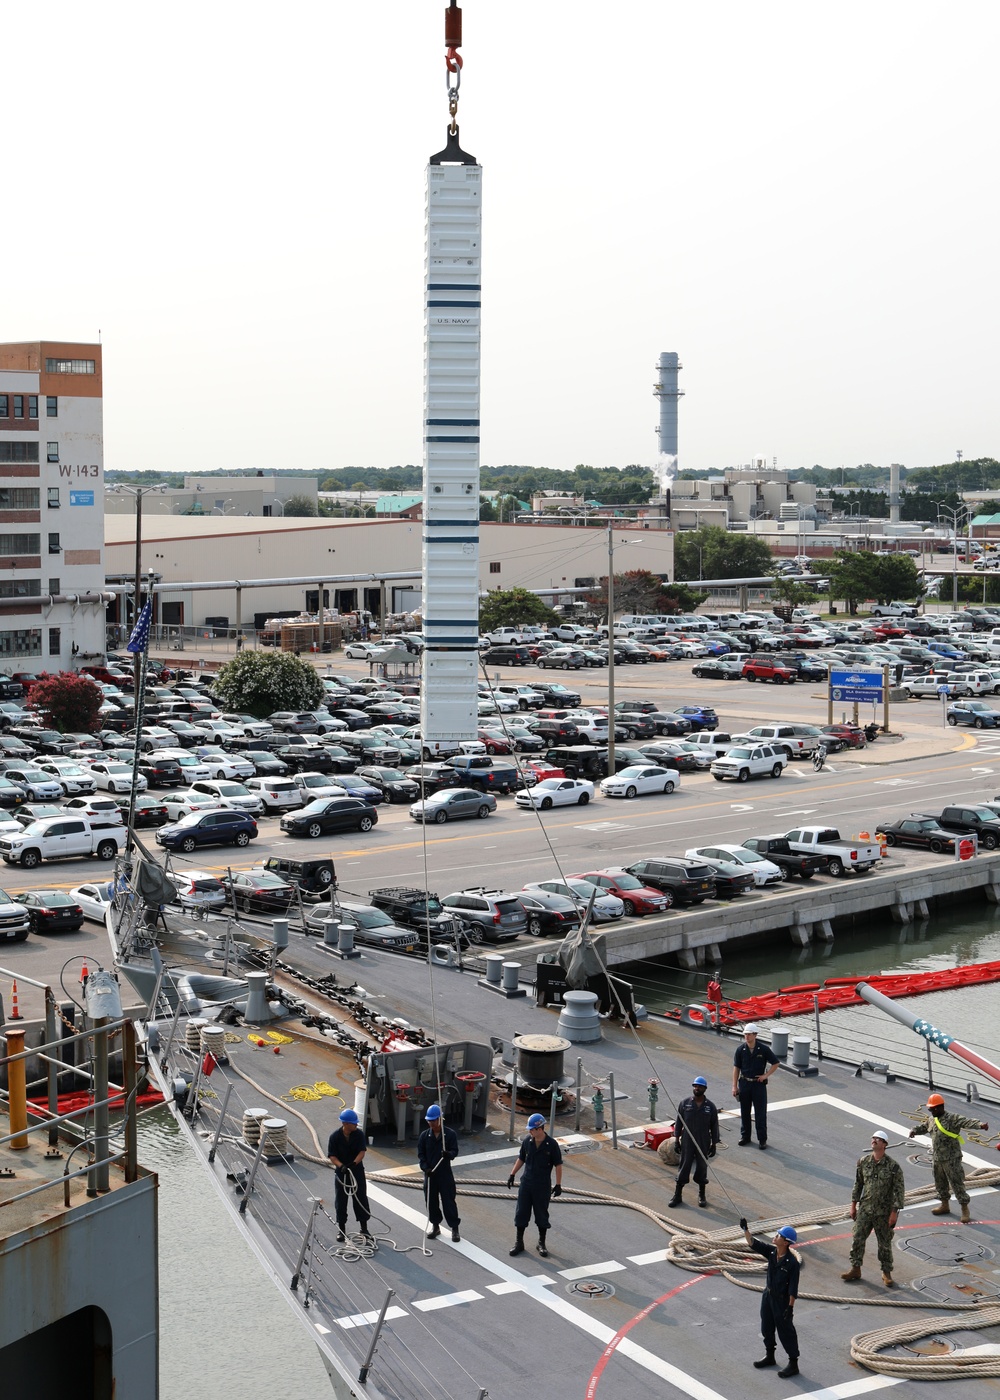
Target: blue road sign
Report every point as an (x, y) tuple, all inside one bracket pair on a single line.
[(863, 685)]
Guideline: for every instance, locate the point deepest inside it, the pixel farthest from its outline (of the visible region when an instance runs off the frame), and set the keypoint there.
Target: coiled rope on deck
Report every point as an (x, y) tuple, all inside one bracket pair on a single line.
[(867, 1347)]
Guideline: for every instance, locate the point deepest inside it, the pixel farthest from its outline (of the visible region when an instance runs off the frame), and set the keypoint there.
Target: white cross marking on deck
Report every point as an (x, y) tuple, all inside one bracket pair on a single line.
[(367, 1318), (447, 1300), (611, 1266)]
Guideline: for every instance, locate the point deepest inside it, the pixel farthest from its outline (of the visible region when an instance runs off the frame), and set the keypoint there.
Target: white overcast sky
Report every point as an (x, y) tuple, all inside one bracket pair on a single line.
[(800, 199)]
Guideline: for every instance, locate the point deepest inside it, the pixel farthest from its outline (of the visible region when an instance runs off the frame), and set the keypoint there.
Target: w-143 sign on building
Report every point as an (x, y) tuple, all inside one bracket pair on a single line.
[(863, 684)]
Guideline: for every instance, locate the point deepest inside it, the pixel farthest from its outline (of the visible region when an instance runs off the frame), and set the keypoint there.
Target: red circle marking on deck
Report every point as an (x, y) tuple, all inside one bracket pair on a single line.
[(622, 1332)]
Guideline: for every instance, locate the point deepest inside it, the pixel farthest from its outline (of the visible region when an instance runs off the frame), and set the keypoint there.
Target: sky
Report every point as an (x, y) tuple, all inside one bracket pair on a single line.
[(799, 199)]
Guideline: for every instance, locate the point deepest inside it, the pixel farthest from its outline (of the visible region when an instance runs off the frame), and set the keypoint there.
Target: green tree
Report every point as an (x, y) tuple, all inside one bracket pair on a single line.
[(513, 607), (70, 701), (258, 683), (299, 505), (639, 591), (711, 552), (793, 591), (857, 577)]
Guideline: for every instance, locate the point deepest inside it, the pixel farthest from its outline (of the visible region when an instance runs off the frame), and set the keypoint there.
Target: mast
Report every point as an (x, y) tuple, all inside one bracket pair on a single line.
[(450, 558)]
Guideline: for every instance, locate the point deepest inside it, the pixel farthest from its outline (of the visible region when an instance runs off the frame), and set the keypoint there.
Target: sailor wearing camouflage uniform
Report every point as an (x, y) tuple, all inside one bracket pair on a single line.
[(878, 1196), (946, 1145)]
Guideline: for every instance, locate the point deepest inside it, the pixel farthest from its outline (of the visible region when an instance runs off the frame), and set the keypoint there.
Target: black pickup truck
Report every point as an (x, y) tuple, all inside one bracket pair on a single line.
[(984, 822), (777, 849)]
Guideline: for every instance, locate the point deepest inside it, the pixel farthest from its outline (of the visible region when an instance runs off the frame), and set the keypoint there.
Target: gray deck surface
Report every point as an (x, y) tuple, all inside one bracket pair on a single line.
[(664, 1330)]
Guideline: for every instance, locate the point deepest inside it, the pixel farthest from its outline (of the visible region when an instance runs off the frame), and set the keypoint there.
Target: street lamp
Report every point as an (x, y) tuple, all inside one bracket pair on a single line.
[(276, 502), (956, 514), (611, 643)]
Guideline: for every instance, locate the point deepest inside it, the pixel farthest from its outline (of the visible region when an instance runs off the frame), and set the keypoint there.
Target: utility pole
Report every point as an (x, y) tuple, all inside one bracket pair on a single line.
[(611, 652)]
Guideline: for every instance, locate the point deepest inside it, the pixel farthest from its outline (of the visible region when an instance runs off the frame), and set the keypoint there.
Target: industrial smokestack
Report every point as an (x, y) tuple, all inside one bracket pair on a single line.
[(665, 389), (894, 494)]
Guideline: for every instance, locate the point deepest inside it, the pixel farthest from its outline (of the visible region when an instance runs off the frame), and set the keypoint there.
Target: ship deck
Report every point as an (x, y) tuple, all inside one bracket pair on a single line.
[(606, 1313)]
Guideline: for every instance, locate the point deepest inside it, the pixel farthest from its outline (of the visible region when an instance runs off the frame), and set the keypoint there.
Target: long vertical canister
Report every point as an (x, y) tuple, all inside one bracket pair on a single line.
[(449, 695)]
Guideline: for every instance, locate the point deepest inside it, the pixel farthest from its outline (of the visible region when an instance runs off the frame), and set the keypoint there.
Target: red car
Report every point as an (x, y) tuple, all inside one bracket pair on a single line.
[(849, 734), (886, 630), (495, 741), (637, 897)]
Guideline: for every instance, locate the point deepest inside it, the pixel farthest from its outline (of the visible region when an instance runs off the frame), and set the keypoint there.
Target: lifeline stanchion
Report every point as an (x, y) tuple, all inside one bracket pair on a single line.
[(579, 1086), (366, 1365), (513, 1105), (614, 1114)]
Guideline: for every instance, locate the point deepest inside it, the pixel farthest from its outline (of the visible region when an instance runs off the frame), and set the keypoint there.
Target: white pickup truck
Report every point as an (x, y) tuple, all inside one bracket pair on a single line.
[(54, 838), (841, 855)]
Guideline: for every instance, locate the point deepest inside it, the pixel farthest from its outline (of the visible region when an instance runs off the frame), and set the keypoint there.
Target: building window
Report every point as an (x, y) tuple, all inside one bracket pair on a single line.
[(18, 405), (53, 498), (18, 451), (54, 587), (54, 546), (51, 406), (4, 406), (494, 568), (21, 588), (69, 366), (19, 544), (26, 641), (52, 455), (32, 405), (55, 640), (19, 497)]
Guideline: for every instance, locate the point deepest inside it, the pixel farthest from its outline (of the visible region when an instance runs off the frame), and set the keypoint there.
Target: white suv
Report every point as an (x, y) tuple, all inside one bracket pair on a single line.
[(747, 761), (276, 794)]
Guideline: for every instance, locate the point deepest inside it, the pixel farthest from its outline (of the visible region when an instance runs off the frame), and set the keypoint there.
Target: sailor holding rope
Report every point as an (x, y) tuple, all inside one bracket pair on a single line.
[(437, 1148), (346, 1150)]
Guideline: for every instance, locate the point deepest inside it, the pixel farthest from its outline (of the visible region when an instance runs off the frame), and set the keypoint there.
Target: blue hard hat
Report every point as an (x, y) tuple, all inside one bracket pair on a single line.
[(701, 1081), (537, 1120), (433, 1113), (789, 1232), (348, 1116)]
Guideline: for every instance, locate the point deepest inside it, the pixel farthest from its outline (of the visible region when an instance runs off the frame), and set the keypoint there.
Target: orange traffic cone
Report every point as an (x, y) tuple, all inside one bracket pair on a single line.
[(15, 1014), (84, 973)]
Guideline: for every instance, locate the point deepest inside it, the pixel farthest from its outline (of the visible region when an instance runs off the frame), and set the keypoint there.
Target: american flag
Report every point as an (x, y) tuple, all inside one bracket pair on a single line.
[(139, 640)]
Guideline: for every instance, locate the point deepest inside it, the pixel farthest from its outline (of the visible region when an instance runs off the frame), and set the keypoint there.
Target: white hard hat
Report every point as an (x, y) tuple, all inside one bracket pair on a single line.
[(750, 1028), (881, 1133)]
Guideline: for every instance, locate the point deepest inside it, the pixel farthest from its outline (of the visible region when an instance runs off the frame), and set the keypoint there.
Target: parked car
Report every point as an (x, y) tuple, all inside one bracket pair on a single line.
[(556, 792), (688, 881), (636, 897), (762, 668), (777, 850), (764, 871), (11, 794), (548, 914), (791, 739), (313, 878), (718, 669), (211, 828), (330, 814), (371, 926), (94, 899), (750, 761), (581, 892), (490, 916), (453, 804), (198, 891), (257, 891), (981, 820), (49, 911), (58, 838), (922, 833), (35, 783), (640, 780), (116, 777), (148, 811)]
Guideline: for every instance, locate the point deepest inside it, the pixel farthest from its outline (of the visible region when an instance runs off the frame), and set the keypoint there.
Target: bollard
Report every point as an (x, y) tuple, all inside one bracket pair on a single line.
[(17, 1092), (511, 973), (345, 943), (494, 967), (331, 933), (279, 929), (779, 1041), (801, 1045)]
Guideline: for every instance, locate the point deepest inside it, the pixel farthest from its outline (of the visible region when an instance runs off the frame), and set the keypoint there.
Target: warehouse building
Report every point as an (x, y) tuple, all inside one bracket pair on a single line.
[(186, 549)]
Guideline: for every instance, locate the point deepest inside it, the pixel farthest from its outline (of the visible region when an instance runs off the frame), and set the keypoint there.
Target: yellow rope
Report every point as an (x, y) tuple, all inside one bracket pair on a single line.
[(312, 1093), (276, 1038)]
